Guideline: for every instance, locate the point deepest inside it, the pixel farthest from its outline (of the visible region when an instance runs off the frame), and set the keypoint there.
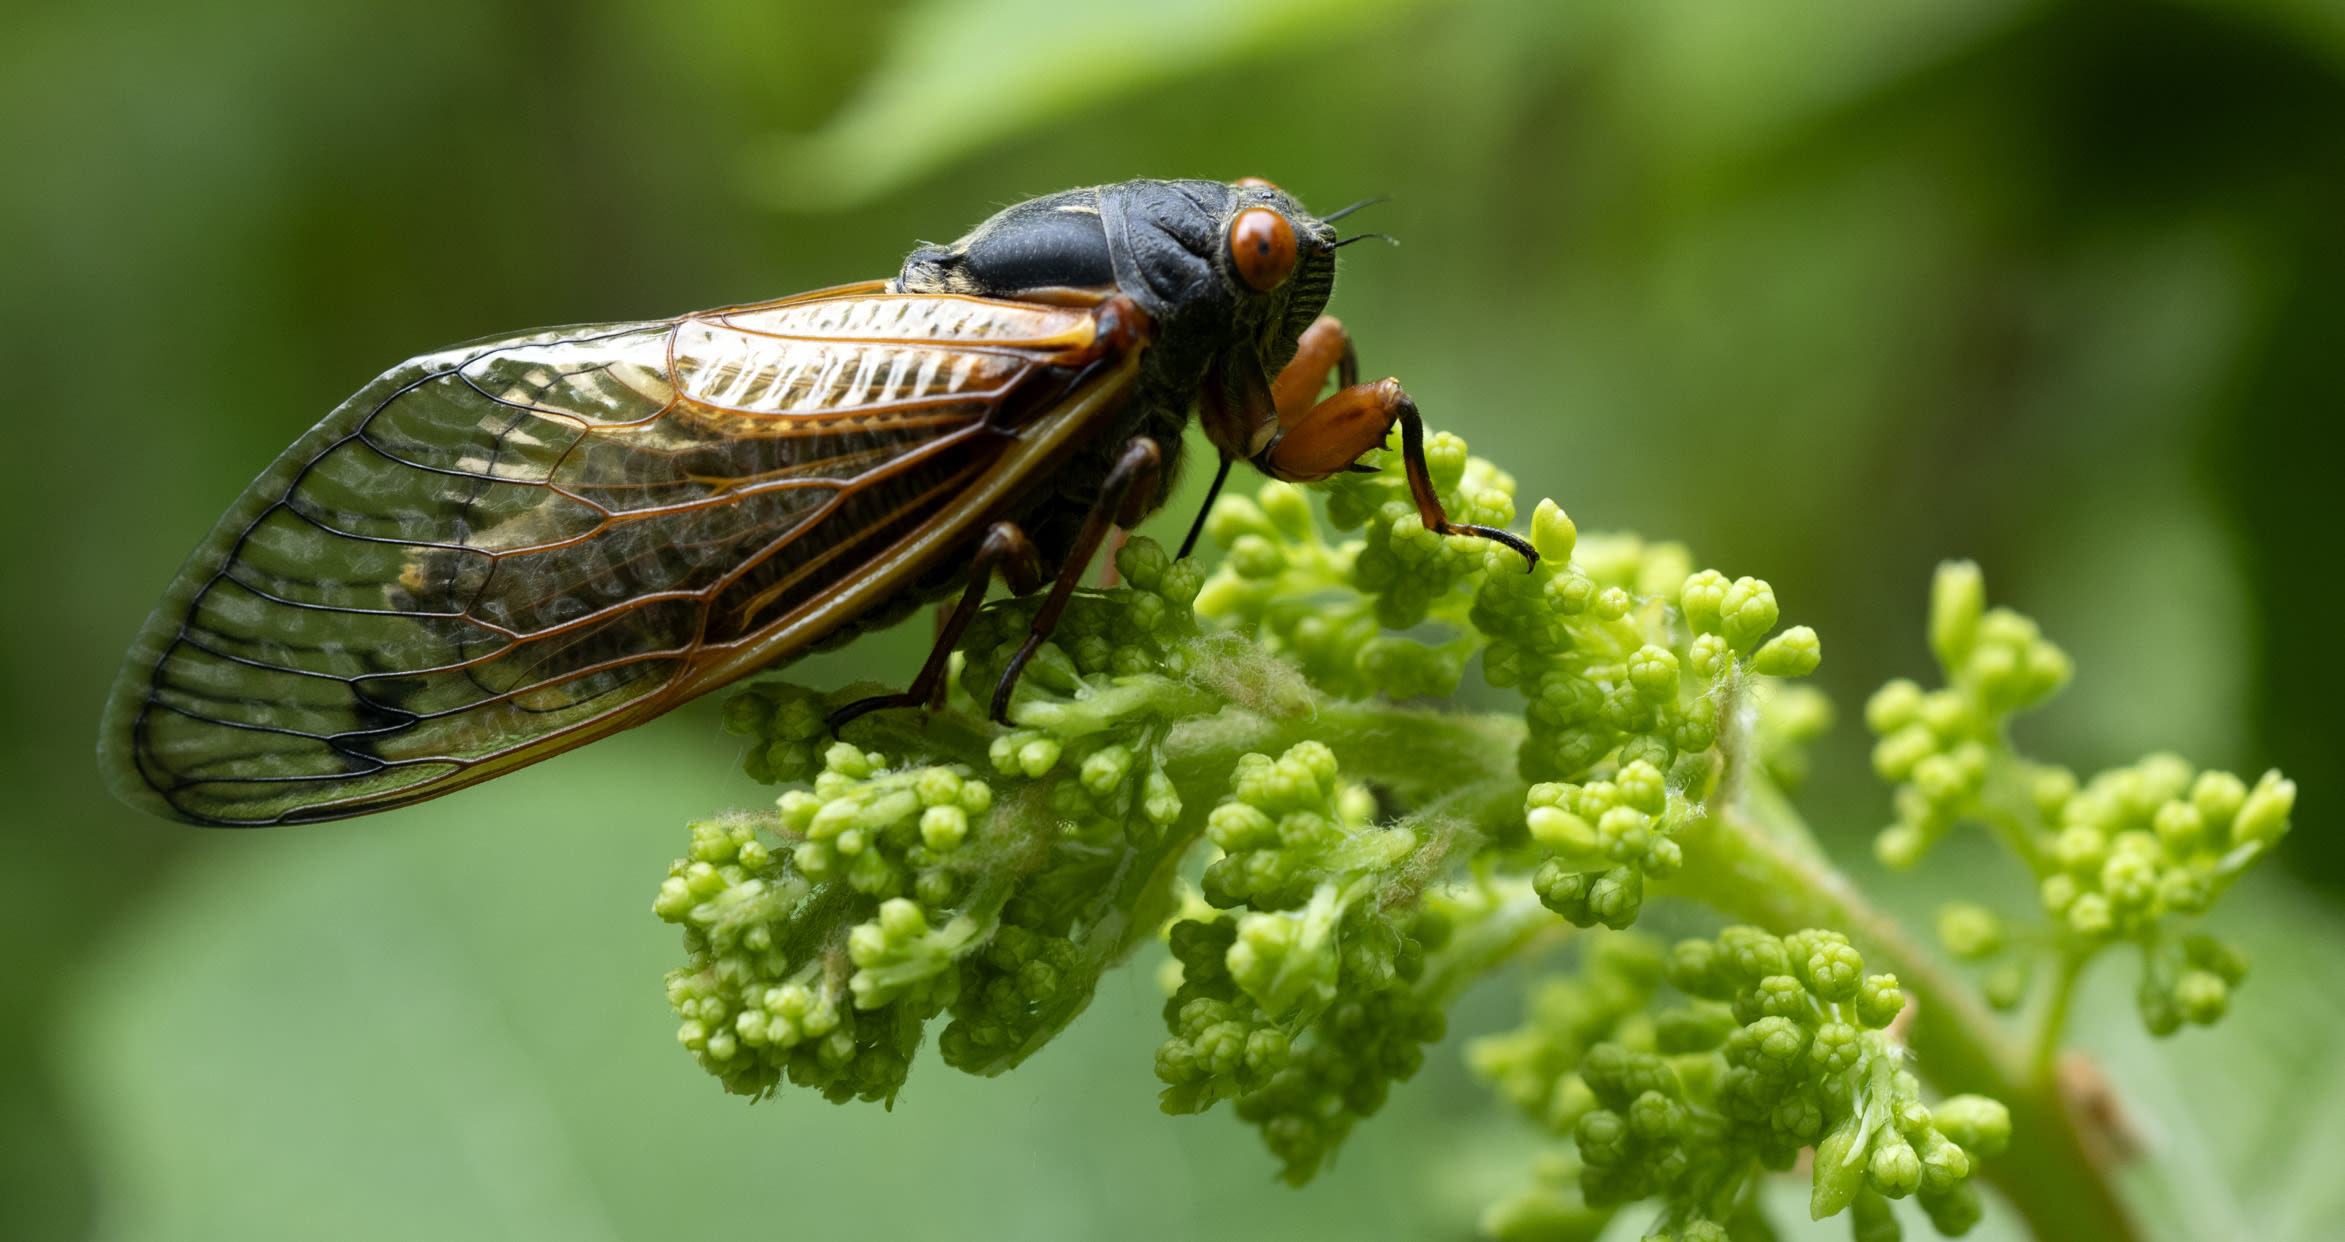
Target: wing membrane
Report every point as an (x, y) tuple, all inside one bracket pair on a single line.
[(499, 551)]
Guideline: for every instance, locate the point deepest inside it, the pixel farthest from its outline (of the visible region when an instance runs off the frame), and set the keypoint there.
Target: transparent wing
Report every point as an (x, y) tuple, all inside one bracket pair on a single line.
[(499, 551)]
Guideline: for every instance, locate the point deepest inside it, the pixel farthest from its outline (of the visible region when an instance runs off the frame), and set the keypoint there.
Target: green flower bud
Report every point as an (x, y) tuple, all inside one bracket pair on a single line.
[(1839, 1170), (1969, 932), (2217, 797), (1776, 1047), (1794, 653), (1234, 517), (1694, 969), (1894, 1170), (1900, 846), (2006, 985), (1958, 598), (2091, 915), (1603, 1138), (2051, 788), (1654, 1117), (1159, 800), (1697, 1028), (1104, 770), (1895, 756), (1653, 671), (1835, 1048), (1879, 1000), (2263, 818), (1571, 593), (1748, 954), (1553, 533), (1709, 656), (1895, 705), (1664, 858), (1255, 557), (2058, 893), (2201, 996), (1978, 1124), (2080, 849), (1826, 964), (1617, 896), (1782, 996), (1569, 836), (1701, 601), (1746, 612), (1285, 506), (1641, 786), (2181, 829), (942, 828)]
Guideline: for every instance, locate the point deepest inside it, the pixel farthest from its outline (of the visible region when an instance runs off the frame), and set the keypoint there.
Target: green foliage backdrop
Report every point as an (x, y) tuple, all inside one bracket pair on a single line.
[(1829, 291)]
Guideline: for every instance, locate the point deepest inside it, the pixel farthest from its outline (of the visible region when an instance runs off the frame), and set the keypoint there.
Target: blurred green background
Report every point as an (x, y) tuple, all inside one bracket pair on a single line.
[(1830, 291)]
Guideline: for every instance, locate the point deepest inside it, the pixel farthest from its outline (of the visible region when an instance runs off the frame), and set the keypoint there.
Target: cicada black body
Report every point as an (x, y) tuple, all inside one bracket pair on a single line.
[(497, 552)]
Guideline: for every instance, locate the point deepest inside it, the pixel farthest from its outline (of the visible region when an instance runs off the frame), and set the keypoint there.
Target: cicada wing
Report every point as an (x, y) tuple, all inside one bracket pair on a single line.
[(496, 552)]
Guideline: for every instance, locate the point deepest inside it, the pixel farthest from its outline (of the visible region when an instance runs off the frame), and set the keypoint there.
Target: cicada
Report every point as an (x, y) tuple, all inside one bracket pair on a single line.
[(500, 551)]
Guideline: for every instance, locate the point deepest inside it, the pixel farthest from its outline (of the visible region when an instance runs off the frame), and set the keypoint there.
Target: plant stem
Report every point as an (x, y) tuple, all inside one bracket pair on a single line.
[(2045, 1062)]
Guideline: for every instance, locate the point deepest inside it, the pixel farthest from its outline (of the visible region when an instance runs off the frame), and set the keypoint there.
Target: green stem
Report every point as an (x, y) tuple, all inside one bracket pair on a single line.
[(2008, 806), (2049, 1174), (1515, 923), (2045, 1063)]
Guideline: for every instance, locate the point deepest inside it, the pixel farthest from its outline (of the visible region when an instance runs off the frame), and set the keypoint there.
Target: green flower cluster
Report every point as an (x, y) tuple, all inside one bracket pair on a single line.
[(1627, 660), (1937, 747), (827, 984), (1299, 1003), (822, 938), (1623, 652), (2116, 858), (1603, 839), (1627, 656), (1326, 607), (1782, 1043)]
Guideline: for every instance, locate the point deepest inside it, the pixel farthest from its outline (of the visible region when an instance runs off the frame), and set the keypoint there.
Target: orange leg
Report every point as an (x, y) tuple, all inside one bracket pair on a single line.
[(1325, 347), (1331, 436)]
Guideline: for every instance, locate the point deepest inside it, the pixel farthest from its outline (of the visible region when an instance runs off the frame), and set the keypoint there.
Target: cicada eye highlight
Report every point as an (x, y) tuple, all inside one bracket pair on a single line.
[(1262, 244)]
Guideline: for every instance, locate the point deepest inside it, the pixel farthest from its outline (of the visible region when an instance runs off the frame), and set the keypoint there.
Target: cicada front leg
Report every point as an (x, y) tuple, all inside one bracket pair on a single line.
[(1318, 440), (1324, 349)]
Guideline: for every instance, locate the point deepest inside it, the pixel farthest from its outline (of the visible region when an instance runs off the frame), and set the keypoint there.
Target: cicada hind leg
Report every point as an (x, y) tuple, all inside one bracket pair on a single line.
[(1007, 550), (1320, 439)]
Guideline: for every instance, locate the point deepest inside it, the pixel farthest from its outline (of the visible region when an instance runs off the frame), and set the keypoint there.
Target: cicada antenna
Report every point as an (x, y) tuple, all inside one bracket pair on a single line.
[(1340, 212)]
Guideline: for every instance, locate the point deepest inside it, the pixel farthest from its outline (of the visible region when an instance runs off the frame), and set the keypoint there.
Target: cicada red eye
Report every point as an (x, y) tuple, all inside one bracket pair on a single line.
[(1262, 244), (1253, 183)]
